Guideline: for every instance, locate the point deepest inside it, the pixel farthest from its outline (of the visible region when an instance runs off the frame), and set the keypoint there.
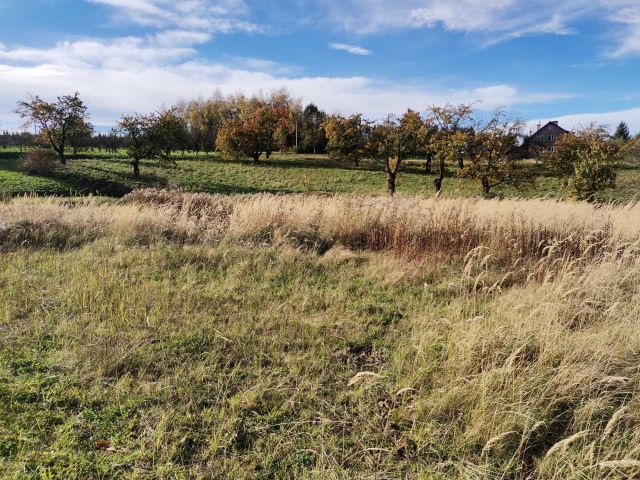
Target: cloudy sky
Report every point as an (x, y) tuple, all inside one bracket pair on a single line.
[(575, 60)]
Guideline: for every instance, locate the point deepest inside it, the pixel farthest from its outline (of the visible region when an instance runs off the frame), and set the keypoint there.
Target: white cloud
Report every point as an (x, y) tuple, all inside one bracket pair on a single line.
[(174, 38), (353, 49), (120, 53), (494, 20), (628, 35), (211, 16), (132, 74), (488, 16), (259, 65)]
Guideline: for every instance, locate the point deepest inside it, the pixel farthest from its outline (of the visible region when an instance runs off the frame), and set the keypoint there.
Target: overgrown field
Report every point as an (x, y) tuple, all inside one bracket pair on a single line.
[(170, 335), (111, 175)]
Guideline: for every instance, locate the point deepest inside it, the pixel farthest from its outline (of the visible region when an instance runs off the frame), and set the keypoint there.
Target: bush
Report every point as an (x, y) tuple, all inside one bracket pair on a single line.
[(595, 171), (588, 159), (40, 162), (632, 150)]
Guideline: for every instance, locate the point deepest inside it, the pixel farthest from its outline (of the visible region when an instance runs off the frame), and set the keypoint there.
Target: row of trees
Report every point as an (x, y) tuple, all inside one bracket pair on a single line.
[(490, 149), (486, 148), (236, 125), (21, 140)]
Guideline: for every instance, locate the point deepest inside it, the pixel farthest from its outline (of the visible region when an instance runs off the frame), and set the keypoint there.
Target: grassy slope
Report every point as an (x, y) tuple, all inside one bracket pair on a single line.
[(136, 357), (283, 173)]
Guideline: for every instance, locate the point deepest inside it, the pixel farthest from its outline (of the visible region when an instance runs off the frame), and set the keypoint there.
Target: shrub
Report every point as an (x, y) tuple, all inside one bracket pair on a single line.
[(588, 159), (40, 162), (595, 171)]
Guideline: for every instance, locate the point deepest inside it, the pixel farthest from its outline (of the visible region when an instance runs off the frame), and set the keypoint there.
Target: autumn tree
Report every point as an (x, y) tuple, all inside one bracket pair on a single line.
[(450, 136), (393, 141), (346, 137), (141, 134), (235, 142), (55, 121), (632, 149), (203, 118), (587, 159), (254, 129), (492, 147), (286, 111)]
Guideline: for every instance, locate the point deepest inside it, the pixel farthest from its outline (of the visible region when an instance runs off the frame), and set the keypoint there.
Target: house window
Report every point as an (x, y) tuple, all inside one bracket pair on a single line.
[(551, 138), (551, 149), (541, 138)]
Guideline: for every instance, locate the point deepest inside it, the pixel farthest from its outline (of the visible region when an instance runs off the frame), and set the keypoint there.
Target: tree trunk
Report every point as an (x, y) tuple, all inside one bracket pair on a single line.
[(461, 162), (256, 157), (391, 183), (437, 182), (136, 168), (63, 159), (427, 165), (486, 186)]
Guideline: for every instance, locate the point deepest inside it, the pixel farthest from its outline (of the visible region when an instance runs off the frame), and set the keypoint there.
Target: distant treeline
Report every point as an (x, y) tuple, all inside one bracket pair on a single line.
[(110, 142)]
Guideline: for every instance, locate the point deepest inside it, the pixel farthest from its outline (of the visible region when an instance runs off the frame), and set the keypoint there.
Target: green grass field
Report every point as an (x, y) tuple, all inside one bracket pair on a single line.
[(168, 336), (107, 174)]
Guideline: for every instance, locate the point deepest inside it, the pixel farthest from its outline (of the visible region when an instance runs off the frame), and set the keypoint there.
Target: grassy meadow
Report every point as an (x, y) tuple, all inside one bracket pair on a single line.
[(110, 174), (259, 336)]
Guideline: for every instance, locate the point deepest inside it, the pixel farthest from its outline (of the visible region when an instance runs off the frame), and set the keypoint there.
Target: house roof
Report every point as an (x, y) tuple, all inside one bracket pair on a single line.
[(554, 124)]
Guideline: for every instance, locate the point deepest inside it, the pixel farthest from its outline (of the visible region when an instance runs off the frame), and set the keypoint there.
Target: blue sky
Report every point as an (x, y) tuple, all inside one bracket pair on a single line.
[(576, 61)]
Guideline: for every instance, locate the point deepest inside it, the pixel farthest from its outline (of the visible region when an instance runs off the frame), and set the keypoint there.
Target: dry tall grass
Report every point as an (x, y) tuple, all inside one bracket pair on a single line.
[(522, 361), (506, 229)]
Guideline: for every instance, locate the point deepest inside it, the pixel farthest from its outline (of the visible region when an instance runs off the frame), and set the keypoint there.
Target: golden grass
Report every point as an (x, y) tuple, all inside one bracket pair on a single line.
[(509, 345), (506, 229)]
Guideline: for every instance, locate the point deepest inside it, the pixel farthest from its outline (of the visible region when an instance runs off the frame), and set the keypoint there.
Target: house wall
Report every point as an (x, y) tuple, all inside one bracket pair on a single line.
[(545, 139)]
